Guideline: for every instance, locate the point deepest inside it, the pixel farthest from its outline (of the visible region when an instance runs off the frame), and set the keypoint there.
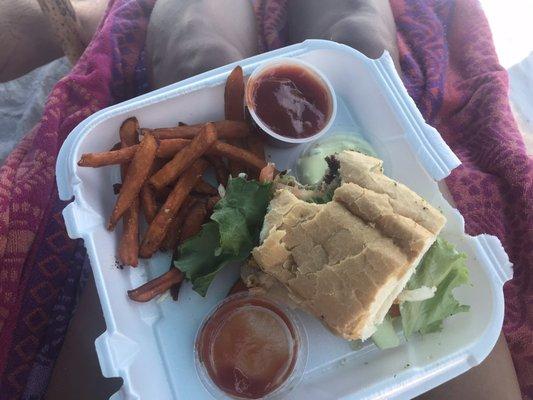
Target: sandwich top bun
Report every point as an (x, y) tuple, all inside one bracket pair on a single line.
[(347, 260)]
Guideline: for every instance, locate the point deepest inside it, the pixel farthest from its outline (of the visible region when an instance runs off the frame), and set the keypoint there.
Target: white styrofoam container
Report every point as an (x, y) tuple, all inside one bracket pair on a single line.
[(151, 345)]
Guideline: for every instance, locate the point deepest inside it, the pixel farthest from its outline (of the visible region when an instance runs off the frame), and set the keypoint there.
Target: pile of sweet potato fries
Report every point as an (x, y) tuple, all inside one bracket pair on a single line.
[(162, 175)]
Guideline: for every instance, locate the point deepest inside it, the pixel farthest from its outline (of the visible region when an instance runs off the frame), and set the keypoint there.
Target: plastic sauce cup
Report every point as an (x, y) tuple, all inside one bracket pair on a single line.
[(250, 347), (290, 96)]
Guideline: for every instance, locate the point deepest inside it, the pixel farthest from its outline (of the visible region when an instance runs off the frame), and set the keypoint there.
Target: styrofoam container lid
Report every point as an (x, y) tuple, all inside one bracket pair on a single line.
[(150, 345)]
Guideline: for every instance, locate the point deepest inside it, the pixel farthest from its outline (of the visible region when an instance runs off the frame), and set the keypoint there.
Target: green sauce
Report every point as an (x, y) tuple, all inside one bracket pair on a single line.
[(312, 166)]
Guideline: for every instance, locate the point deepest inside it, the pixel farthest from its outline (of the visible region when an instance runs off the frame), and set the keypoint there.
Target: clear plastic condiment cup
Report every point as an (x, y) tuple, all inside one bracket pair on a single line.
[(215, 345), (276, 138)]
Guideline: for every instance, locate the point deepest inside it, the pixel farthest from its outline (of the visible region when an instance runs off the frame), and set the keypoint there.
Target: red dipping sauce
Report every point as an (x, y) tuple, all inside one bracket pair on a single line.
[(290, 99), (248, 347)]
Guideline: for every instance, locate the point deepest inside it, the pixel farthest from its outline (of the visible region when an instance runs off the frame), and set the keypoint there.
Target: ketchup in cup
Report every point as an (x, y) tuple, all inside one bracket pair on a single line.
[(249, 348), (290, 101)]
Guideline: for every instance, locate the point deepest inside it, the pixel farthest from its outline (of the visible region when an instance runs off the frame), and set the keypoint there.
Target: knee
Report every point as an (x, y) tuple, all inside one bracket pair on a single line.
[(361, 33), (203, 56), (191, 57), (187, 44)]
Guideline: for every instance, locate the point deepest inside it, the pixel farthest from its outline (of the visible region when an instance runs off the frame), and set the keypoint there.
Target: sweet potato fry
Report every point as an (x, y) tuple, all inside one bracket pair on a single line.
[(256, 145), (175, 288), (129, 132), (211, 203), (138, 171), (187, 223), (107, 157), (170, 242), (221, 172), (267, 173), (193, 221), (202, 187), (225, 129), (159, 162), (148, 197), (179, 163), (235, 166), (168, 148), (237, 154), (148, 203), (156, 286), (128, 247), (234, 110), (160, 225), (234, 95), (162, 194), (116, 146)]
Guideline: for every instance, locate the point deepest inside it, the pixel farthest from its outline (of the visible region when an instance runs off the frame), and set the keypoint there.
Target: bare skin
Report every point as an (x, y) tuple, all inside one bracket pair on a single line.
[(367, 26), (187, 37), (28, 40), (22, 51)]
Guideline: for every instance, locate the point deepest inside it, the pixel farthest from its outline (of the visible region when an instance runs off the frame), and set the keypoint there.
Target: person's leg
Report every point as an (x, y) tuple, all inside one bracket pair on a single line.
[(365, 25), (186, 37), (27, 38)]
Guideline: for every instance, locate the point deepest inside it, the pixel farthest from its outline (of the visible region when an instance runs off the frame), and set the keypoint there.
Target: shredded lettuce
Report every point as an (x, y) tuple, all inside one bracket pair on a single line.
[(445, 268), (229, 237)]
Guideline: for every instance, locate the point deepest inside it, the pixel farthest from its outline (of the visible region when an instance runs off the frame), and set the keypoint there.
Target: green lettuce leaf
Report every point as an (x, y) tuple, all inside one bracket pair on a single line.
[(385, 336), (445, 268), (198, 259), (240, 214), (229, 237)]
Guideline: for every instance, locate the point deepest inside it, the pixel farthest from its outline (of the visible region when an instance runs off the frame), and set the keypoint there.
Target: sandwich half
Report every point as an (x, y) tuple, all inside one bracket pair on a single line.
[(347, 260)]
